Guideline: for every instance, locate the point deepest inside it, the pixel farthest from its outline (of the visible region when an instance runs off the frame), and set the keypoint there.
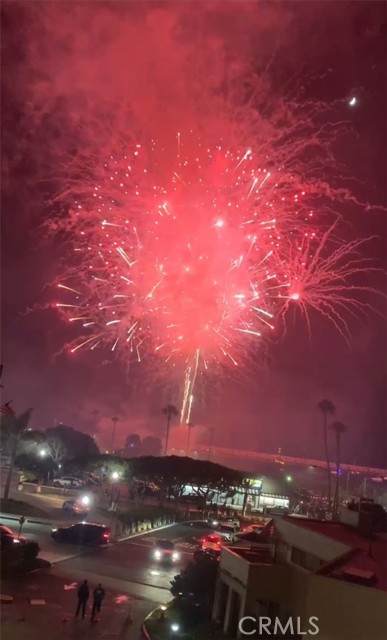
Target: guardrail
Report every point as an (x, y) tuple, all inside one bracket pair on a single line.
[(31, 520), (33, 487), (121, 528)]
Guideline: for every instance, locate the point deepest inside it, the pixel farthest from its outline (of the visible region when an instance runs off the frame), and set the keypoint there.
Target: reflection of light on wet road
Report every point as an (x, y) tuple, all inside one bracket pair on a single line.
[(155, 573)]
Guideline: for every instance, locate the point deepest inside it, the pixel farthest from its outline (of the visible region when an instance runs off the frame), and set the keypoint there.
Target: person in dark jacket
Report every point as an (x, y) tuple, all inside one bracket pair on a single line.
[(98, 596), (83, 596)]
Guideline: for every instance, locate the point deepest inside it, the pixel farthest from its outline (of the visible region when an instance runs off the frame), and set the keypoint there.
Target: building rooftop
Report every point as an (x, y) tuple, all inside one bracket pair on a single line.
[(366, 559), (254, 555)]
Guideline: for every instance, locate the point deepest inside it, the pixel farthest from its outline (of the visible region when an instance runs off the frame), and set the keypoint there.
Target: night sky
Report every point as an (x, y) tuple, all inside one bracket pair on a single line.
[(68, 68)]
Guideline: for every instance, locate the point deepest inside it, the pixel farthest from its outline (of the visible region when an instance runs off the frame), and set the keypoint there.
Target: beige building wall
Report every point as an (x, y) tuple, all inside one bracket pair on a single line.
[(316, 544), (345, 611)]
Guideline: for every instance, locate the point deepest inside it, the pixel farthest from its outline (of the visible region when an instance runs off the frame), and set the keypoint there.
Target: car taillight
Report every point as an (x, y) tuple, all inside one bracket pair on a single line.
[(106, 535)]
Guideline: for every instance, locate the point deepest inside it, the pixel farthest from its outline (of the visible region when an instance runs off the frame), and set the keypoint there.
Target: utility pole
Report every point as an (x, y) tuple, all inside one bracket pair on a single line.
[(114, 421)]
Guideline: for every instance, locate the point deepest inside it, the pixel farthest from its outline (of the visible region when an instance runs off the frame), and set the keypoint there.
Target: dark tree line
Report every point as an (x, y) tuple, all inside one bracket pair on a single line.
[(169, 474)]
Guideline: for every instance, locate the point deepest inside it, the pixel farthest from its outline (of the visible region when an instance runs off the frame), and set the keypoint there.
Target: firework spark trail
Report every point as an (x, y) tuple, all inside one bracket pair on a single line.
[(199, 264), (189, 385)]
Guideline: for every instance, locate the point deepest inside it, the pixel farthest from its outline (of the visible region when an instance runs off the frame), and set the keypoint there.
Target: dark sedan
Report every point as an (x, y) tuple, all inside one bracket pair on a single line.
[(85, 533)]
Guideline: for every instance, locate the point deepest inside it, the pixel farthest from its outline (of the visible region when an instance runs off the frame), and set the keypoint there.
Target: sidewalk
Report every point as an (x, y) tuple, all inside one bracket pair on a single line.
[(45, 606)]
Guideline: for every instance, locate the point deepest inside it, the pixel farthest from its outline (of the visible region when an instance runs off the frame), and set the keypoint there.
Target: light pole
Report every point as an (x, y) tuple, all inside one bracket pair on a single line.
[(114, 421), (114, 477)]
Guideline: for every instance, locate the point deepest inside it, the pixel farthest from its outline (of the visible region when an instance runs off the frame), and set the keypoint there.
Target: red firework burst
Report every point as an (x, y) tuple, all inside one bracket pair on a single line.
[(197, 263)]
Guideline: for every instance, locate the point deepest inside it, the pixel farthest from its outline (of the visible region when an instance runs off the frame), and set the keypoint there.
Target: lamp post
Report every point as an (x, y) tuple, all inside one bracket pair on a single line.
[(114, 477)]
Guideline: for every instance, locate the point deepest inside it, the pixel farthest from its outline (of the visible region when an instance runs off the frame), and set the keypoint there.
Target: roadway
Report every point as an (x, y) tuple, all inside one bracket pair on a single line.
[(127, 567), (133, 582)]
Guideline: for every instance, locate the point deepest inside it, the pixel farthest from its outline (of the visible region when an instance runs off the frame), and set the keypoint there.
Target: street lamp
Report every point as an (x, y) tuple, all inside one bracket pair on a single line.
[(85, 500), (289, 478), (114, 477), (175, 627), (43, 453)]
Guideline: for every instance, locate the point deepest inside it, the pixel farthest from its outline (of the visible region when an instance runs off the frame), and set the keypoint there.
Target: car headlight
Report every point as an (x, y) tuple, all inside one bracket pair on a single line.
[(175, 556), (214, 523), (16, 540), (54, 530), (157, 554)]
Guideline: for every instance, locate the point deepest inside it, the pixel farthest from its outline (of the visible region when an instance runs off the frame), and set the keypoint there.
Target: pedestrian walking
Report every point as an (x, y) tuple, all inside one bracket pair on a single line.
[(83, 596), (98, 596)]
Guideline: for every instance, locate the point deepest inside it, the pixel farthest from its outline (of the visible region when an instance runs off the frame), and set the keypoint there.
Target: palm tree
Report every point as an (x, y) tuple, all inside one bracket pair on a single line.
[(339, 428), (114, 421), (15, 425), (327, 408), (170, 412), (189, 425)]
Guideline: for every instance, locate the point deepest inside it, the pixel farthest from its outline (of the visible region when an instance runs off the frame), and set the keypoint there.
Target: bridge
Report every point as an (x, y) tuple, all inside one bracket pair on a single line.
[(203, 451)]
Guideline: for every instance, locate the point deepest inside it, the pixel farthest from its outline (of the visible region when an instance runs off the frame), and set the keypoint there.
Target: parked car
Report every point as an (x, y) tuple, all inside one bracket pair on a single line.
[(213, 542), (7, 536), (207, 554), (86, 533), (234, 521), (164, 551), (253, 527), (228, 532), (75, 508), (68, 482)]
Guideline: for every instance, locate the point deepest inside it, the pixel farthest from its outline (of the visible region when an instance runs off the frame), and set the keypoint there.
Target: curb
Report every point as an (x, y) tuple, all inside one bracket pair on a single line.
[(144, 628)]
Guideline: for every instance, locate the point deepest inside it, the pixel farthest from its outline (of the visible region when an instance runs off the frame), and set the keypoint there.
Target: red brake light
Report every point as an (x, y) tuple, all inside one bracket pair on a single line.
[(106, 535)]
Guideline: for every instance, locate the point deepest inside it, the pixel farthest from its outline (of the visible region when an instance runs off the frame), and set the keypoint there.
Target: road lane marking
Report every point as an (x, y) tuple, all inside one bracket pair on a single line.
[(148, 546)]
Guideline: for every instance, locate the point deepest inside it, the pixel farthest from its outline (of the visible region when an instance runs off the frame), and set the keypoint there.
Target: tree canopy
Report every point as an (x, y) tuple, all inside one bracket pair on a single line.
[(166, 472), (196, 582), (148, 446), (75, 442)]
